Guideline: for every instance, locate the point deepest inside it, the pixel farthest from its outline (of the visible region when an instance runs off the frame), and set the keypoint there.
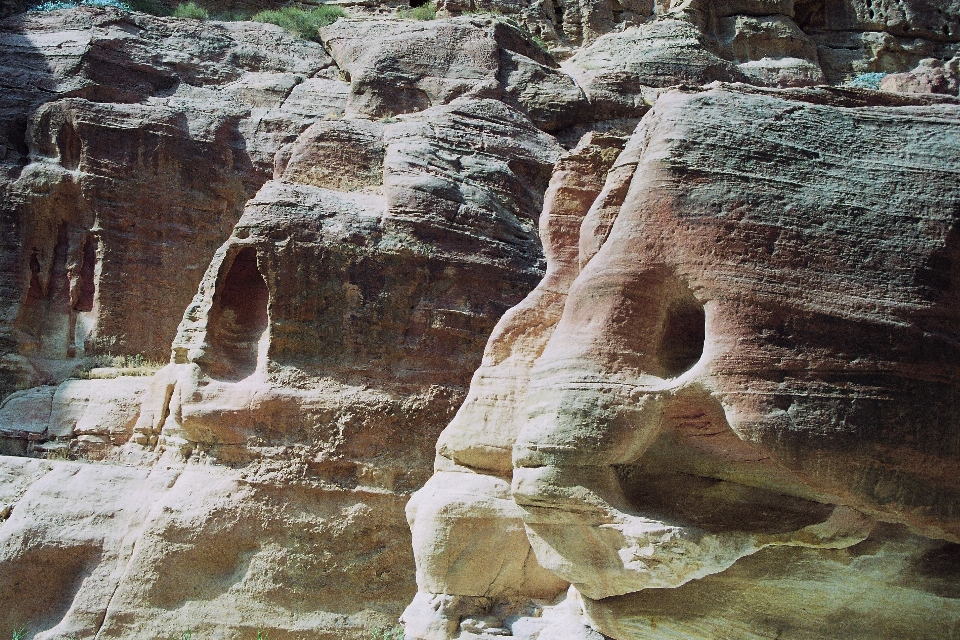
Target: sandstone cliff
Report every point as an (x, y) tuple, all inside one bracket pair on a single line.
[(246, 280)]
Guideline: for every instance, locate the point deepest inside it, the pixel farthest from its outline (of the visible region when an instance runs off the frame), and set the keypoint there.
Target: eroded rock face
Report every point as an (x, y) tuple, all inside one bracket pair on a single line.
[(338, 228), (131, 143), (395, 67), (658, 433)]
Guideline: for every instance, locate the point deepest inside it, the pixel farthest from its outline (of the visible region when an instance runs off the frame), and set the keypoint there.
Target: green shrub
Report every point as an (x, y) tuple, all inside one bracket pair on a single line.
[(303, 23), (57, 453), (522, 31), (191, 10), (423, 12), (396, 633)]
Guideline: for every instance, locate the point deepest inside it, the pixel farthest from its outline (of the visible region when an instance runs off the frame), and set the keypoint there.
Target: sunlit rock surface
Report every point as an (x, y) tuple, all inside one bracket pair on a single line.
[(749, 352), (245, 280)]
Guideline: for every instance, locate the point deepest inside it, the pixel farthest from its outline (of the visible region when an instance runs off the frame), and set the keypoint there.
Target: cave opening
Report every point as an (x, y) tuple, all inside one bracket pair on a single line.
[(84, 293), (417, 3), (60, 296), (810, 14), (683, 335), (238, 319)]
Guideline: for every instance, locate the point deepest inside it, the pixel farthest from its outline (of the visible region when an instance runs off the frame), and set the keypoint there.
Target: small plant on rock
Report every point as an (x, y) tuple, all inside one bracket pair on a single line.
[(58, 453), (305, 24), (191, 10), (19, 634), (426, 11), (394, 633)]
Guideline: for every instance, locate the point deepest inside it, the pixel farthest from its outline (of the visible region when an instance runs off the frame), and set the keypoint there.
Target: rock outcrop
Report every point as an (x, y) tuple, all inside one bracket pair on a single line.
[(246, 279), (745, 347), (131, 145), (331, 336)]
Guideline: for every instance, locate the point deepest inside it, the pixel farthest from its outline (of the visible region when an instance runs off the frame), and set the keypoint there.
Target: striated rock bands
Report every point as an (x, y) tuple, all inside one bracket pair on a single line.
[(734, 361), (710, 313)]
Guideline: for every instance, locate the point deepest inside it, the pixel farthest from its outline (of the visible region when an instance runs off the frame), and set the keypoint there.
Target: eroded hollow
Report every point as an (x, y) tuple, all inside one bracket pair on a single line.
[(683, 334), (69, 146), (238, 319), (86, 285), (45, 315)]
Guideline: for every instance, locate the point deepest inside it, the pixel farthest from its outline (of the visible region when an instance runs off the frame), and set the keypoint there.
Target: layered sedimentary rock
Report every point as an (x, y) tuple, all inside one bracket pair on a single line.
[(746, 347), (130, 146), (317, 240), (329, 341)]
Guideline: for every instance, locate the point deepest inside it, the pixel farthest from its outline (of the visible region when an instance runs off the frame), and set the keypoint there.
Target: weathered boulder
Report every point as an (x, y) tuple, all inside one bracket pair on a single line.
[(620, 72), (564, 24), (783, 591), (770, 51), (399, 67), (462, 518), (742, 339), (930, 76), (860, 36), (331, 339), (134, 552), (723, 374)]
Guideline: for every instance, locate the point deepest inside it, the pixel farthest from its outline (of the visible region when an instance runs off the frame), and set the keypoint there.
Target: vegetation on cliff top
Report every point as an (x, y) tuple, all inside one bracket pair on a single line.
[(302, 22), (305, 24), (426, 11)]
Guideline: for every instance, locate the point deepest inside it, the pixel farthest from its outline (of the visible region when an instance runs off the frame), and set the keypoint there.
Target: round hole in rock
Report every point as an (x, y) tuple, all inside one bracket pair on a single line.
[(238, 319), (683, 335)]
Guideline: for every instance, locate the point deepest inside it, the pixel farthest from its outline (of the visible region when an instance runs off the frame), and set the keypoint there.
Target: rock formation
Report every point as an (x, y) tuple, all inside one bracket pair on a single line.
[(246, 279), (745, 347)]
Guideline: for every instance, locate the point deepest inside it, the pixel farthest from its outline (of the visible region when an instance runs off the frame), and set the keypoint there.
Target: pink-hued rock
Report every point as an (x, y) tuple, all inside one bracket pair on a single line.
[(739, 359), (930, 76), (753, 351)]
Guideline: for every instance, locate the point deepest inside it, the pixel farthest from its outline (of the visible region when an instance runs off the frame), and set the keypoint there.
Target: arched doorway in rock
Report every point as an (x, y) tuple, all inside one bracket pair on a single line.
[(239, 317)]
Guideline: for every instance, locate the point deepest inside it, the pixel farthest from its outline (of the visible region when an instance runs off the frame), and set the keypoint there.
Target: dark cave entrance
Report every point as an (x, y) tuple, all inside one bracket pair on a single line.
[(238, 319), (682, 336), (811, 14)]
